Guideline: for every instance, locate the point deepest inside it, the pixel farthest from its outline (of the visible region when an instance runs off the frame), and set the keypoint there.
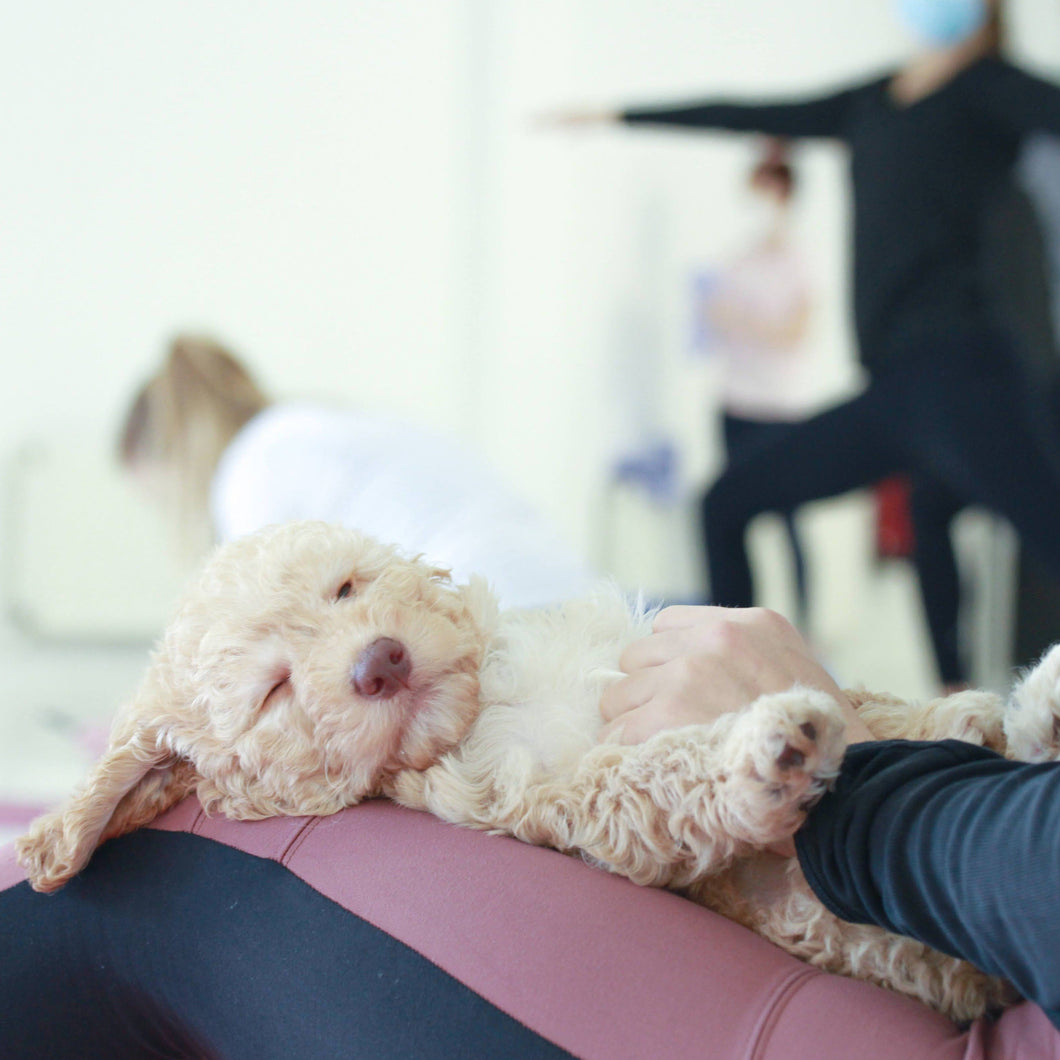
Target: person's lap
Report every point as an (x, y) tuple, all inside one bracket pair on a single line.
[(174, 945)]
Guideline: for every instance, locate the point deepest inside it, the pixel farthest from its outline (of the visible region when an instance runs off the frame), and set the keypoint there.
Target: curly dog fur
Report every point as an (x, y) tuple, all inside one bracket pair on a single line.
[(311, 667)]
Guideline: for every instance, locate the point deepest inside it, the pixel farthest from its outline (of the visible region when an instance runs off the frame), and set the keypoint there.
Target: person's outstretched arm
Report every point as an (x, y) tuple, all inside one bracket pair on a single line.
[(951, 844), (825, 116)]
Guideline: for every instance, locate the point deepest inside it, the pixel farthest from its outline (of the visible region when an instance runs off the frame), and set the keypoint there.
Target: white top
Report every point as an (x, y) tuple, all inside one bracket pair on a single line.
[(763, 379), (398, 483)]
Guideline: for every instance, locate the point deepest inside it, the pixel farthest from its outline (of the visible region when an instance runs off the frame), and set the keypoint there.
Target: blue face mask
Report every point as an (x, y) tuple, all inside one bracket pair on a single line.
[(942, 23)]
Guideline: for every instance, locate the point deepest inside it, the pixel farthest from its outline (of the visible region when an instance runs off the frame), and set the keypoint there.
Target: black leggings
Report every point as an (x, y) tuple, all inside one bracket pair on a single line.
[(933, 508), (743, 436), (967, 422), (172, 945)]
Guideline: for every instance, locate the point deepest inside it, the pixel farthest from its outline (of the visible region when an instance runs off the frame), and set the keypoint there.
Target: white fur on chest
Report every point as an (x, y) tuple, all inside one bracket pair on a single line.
[(540, 691)]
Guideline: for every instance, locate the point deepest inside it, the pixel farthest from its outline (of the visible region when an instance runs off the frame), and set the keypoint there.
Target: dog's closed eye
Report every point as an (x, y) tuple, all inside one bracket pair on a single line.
[(280, 685)]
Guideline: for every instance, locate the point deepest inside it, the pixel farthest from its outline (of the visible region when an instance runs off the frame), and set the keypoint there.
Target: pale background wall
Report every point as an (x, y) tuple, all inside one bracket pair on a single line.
[(352, 193)]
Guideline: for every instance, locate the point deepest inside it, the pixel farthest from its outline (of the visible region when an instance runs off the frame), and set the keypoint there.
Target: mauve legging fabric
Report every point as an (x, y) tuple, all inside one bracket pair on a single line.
[(380, 933), (171, 945)]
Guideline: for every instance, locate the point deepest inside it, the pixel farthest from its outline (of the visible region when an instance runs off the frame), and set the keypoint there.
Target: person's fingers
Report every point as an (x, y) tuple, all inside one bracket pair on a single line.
[(689, 629), (626, 695), (729, 628), (653, 650), (702, 662), (681, 616), (663, 711), (633, 727), (684, 630)]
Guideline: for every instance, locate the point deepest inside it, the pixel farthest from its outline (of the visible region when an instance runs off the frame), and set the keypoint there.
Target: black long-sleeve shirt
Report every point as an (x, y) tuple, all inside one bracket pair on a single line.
[(951, 844), (922, 175)]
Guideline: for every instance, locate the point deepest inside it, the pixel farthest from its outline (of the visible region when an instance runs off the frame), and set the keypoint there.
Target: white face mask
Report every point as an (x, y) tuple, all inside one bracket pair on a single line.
[(764, 216), (942, 23)]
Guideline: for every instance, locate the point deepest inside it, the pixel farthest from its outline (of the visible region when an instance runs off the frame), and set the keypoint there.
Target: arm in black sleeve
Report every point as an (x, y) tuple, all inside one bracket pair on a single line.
[(1013, 99), (824, 117), (951, 844)]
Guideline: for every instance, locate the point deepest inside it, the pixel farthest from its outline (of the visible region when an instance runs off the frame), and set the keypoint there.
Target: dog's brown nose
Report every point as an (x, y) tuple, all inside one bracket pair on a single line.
[(382, 669)]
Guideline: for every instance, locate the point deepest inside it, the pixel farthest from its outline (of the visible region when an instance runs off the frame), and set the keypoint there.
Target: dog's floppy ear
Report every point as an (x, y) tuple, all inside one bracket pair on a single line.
[(132, 783)]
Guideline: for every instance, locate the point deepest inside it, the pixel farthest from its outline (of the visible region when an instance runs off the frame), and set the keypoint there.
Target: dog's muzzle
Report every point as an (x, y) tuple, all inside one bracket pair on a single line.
[(382, 669)]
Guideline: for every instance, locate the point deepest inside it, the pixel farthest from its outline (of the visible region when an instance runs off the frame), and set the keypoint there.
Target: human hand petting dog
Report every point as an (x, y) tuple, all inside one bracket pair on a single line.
[(701, 662)]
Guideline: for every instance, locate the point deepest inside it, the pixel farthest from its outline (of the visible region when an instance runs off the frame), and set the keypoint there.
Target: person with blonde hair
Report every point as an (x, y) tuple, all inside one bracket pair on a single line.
[(180, 423), (203, 438)]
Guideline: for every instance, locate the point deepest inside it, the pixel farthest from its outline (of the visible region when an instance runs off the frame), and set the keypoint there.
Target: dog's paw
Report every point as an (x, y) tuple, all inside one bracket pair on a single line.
[(47, 855), (794, 742), (789, 747), (1032, 720)]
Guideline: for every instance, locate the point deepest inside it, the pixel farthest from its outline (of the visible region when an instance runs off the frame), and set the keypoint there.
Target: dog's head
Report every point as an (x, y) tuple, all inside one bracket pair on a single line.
[(308, 665)]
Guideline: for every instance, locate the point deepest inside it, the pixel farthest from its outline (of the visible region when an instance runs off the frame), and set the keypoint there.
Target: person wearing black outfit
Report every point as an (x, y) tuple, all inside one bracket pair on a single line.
[(757, 315), (945, 842), (1016, 274), (930, 146)]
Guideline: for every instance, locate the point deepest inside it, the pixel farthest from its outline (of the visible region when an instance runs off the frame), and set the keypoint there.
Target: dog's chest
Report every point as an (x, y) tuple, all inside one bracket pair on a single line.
[(542, 683)]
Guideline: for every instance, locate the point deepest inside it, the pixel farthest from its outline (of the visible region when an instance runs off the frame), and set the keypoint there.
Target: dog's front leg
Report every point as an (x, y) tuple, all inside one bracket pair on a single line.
[(683, 804)]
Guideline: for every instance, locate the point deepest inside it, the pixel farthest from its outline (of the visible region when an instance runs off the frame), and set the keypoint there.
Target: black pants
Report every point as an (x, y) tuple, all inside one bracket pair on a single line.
[(964, 419), (933, 508), (743, 437)]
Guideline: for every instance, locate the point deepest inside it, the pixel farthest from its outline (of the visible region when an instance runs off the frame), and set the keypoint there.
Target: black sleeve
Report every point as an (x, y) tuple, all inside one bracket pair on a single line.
[(951, 844), (825, 116), (1014, 100)]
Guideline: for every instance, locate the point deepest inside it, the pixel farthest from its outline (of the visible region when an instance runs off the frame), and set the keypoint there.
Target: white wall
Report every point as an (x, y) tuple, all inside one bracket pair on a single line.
[(351, 193), (599, 231), (290, 175)]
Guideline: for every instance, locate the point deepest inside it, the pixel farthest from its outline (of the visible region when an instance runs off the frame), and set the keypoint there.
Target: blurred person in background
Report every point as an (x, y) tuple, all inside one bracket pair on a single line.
[(930, 145), (204, 439), (756, 314)]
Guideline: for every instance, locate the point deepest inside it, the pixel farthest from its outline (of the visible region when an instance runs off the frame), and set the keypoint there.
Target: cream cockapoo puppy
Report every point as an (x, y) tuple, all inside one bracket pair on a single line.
[(311, 667)]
